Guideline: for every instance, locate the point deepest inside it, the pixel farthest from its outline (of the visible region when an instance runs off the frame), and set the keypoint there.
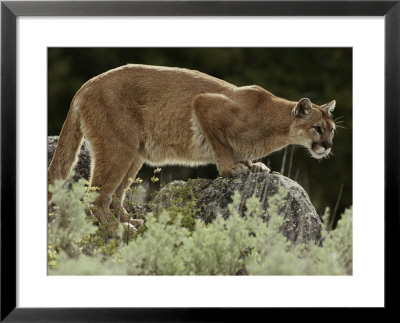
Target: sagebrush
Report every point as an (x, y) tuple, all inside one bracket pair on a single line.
[(167, 245)]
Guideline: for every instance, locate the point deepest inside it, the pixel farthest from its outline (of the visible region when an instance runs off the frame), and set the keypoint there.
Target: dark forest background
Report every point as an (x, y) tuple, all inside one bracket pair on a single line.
[(321, 74)]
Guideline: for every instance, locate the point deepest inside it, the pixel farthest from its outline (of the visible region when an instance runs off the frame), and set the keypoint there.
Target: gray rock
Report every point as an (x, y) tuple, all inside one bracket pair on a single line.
[(302, 223)]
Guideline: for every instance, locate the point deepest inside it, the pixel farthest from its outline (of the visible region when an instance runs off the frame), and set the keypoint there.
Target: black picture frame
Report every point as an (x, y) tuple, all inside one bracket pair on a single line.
[(10, 10)]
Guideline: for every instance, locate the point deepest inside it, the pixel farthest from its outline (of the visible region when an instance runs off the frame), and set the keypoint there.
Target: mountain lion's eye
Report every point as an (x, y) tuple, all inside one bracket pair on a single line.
[(318, 129)]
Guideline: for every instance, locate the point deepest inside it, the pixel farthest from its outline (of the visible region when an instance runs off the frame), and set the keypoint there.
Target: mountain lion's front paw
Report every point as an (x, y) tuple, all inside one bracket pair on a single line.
[(236, 170), (259, 167)]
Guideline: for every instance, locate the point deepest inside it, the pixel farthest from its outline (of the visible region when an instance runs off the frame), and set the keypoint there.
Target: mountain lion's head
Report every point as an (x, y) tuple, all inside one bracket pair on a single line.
[(313, 127)]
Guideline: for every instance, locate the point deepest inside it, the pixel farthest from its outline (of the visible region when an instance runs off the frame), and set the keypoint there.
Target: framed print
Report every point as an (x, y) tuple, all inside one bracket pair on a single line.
[(322, 57)]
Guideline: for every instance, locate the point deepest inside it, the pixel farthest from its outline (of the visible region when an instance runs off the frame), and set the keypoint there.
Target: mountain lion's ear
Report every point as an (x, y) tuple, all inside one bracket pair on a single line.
[(329, 106), (302, 108)]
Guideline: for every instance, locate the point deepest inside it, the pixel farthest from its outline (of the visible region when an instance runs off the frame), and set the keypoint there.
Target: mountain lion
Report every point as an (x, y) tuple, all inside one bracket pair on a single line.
[(157, 115)]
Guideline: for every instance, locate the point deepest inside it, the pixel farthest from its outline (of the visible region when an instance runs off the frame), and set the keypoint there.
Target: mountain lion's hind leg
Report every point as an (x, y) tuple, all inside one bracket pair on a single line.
[(117, 203), (110, 167)]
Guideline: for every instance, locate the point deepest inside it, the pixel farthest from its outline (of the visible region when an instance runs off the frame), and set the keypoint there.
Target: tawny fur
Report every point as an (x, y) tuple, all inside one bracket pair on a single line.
[(139, 114)]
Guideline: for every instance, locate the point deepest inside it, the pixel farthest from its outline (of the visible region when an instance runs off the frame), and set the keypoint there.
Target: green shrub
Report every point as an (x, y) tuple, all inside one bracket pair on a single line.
[(71, 228), (183, 203), (85, 265), (68, 222), (164, 238), (252, 244)]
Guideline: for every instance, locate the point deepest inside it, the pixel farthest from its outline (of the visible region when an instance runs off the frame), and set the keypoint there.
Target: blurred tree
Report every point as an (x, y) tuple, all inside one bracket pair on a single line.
[(321, 74)]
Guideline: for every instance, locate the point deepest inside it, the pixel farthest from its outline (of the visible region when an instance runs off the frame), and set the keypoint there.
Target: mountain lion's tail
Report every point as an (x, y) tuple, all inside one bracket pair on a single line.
[(69, 142)]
